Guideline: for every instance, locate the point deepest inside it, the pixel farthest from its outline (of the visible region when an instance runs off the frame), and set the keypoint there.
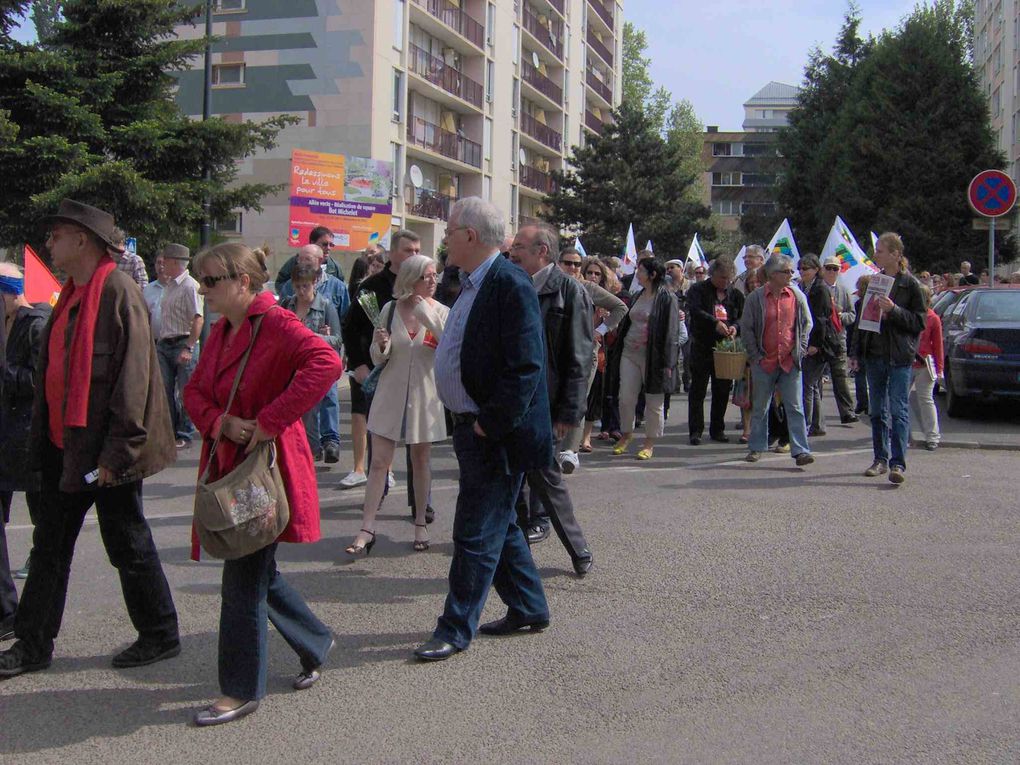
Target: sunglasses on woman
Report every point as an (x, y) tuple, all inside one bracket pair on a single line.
[(211, 281)]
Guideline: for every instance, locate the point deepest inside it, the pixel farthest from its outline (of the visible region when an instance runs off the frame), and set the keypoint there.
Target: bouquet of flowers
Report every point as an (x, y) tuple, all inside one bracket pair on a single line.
[(370, 304)]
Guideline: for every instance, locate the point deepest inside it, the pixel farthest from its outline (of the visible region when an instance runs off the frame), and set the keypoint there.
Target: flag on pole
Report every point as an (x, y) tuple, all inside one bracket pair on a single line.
[(41, 286), (580, 248), (629, 254), (783, 243), (853, 261), (739, 261), (649, 246), (874, 241), (695, 254)]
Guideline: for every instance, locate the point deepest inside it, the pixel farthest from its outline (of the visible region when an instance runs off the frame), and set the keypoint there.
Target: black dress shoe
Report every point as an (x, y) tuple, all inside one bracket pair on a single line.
[(511, 623), (722, 438), (19, 659), (435, 650), (143, 652), (331, 453), (583, 565), (695, 440), (537, 533), (7, 629)]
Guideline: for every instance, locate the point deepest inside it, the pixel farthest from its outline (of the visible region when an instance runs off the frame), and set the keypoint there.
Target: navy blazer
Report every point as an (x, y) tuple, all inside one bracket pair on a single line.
[(502, 363)]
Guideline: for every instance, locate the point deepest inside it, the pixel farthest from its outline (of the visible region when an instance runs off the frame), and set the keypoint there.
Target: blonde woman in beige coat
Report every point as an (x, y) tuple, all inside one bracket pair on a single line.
[(406, 405)]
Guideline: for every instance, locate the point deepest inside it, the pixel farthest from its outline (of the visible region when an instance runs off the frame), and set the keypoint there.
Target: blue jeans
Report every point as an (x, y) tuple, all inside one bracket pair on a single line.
[(763, 385), (329, 417), (488, 546), (253, 594), (889, 399), (175, 377)]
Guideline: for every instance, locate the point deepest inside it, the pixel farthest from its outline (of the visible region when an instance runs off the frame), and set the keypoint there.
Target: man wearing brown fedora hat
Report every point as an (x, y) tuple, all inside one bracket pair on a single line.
[(100, 425), (180, 325)]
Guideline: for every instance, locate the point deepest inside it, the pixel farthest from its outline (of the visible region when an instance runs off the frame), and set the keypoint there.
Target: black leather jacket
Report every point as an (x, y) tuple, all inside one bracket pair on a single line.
[(901, 327), (569, 338)]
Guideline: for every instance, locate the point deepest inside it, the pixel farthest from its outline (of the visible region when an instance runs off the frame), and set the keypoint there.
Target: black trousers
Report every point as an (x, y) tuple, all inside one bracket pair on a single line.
[(703, 370), (129, 546)]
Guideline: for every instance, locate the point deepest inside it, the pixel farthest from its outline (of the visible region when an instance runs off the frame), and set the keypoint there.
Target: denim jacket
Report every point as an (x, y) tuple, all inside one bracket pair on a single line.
[(320, 314)]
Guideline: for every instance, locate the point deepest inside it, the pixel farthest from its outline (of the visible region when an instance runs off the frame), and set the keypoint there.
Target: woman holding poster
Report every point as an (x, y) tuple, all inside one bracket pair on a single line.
[(891, 319)]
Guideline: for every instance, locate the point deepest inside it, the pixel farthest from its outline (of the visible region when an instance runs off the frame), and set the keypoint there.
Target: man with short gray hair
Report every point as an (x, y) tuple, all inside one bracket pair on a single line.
[(754, 258), (775, 327), (180, 326)]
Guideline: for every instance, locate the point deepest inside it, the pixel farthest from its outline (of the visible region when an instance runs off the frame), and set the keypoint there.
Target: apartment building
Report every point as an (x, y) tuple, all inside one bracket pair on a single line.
[(997, 64), (742, 167), (464, 97)]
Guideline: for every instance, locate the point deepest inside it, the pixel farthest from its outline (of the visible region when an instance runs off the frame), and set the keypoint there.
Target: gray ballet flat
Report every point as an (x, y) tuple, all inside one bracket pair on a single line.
[(212, 716)]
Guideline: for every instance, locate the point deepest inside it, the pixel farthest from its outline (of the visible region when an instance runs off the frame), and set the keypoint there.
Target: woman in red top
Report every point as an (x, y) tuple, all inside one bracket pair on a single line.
[(927, 370), (289, 370)]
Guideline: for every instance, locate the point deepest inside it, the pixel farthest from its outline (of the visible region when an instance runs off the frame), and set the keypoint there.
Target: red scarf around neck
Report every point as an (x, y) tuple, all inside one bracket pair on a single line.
[(79, 355)]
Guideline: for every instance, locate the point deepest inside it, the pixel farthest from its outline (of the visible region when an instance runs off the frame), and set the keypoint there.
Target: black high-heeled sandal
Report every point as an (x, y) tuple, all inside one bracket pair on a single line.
[(420, 545), (356, 549)]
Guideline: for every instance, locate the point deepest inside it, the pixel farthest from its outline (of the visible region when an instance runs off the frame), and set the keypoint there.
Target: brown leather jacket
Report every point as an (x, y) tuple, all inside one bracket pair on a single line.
[(129, 430)]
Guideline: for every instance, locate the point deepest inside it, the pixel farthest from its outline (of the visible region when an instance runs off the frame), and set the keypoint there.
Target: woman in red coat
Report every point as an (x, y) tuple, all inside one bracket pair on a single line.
[(289, 370)]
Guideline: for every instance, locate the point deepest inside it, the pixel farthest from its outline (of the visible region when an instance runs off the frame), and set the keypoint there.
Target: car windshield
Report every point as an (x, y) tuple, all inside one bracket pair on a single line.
[(998, 305)]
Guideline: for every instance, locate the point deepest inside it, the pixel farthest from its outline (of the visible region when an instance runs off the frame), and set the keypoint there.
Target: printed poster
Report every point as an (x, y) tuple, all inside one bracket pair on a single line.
[(349, 195), (871, 315)]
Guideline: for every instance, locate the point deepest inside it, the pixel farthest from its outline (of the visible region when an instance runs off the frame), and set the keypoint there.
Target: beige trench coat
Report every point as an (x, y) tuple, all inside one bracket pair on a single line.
[(406, 405)]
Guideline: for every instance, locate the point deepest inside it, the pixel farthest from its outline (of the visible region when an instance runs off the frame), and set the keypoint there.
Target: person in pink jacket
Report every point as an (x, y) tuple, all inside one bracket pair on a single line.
[(928, 369), (289, 370)]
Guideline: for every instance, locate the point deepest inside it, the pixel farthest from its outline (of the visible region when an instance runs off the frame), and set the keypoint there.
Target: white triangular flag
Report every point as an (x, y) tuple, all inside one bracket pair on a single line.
[(580, 248), (629, 254), (874, 241), (649, 246), (738, 261), (854, 262), (783, 243)]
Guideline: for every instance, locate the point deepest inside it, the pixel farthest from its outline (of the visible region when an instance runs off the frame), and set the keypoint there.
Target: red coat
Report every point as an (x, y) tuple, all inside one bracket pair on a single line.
[(289, 371), (930, 342)]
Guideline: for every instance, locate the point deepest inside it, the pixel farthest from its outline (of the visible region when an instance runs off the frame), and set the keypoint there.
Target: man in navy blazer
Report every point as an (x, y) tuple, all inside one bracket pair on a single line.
[(490, 372)]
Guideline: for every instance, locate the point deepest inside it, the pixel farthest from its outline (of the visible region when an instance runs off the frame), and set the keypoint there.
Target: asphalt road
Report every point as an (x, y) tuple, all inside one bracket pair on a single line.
[(736, 613)]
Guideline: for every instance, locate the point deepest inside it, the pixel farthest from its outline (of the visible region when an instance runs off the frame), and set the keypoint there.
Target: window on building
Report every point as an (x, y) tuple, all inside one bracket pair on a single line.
[(725, 179), (724, 207), (228, 75), (490, 80), (758, 150), (487, 188), (398, 24), (231, 225), (487, 140), (997, 102), (490, 25), (515, 44), (398, 95), (722, 150), (396, 153), (230, 5), (759, 208), (757, 179)]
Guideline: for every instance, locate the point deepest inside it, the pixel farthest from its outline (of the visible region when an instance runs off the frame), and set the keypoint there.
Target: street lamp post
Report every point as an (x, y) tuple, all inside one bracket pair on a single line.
[(205, 237)]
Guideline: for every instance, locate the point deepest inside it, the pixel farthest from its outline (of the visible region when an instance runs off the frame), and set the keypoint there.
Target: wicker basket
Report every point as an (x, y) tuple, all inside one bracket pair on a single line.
[(729, 365)]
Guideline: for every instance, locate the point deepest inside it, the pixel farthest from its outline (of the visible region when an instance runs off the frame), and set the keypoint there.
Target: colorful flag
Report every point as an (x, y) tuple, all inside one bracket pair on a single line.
[(695, 254), (783, 243), (580, 248), (629, 254), (854, 262), (41, 286), (739, 261)]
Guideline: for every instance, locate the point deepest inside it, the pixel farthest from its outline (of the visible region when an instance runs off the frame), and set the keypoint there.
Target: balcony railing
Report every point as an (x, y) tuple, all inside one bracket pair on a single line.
[(427, 204), (600, 48), (606, 14), (534, 178), (593, 122), (540, 82), (551, 37), (540, 132), (600, 87), (456, 19), (438, 72), (432, 137)]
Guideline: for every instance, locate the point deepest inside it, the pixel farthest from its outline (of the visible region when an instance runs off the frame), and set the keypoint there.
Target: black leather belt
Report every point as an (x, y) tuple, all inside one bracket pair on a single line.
[(468, 418), (174, 339)]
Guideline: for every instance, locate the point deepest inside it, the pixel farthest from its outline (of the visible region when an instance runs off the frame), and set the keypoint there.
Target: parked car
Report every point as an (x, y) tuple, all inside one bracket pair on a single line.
[(981, 331)]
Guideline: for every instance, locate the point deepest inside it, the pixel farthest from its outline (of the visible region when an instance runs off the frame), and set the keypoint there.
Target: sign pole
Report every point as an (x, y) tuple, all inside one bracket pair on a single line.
[(991, 252)]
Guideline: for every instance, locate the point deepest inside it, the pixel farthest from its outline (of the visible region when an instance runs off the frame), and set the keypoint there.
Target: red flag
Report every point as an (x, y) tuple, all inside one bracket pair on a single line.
[(41, 286)]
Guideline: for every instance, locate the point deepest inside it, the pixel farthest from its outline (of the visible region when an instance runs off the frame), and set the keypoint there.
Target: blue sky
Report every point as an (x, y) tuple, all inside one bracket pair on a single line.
[(719, 54)]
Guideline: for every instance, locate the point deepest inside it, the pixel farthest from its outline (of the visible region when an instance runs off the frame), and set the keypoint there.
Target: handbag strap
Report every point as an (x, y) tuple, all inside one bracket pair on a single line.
[(256, 325)]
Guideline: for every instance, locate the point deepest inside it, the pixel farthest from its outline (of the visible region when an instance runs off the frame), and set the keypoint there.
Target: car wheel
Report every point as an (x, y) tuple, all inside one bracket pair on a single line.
[(956, 405)]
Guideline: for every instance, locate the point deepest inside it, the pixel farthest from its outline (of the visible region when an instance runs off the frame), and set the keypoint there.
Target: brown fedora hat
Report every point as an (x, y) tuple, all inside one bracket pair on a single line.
[(99, 222)]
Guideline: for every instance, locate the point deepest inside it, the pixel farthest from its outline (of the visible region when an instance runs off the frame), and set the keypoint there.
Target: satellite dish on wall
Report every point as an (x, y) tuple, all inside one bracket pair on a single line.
[(522, 156), (534, 59), (417, 179)]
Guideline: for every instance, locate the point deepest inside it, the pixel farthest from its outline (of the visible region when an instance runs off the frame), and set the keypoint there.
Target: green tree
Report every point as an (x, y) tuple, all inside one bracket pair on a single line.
[(45, 15), (10, 14), (638, 89), (628, 175), (95, 120)]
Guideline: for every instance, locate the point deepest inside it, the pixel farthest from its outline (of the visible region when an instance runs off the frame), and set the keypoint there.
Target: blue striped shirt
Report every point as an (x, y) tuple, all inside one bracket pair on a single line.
[(447, 363)]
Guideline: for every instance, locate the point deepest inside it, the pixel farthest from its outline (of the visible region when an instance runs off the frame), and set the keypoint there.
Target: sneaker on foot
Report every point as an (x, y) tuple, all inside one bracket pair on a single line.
[(391, 480), (353, 479), (896, 475), (877, 468), (752, 457), (781, 448), (931, 445), (804, 458), (568, 461), (331, 452)]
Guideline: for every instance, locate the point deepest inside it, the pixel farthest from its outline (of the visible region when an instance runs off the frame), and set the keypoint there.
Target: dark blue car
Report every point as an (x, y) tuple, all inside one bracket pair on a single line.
[(981, 332)]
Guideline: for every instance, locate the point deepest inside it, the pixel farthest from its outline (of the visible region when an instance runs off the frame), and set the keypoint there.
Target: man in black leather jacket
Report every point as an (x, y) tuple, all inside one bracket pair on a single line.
[(569, 337), (889, 356)]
